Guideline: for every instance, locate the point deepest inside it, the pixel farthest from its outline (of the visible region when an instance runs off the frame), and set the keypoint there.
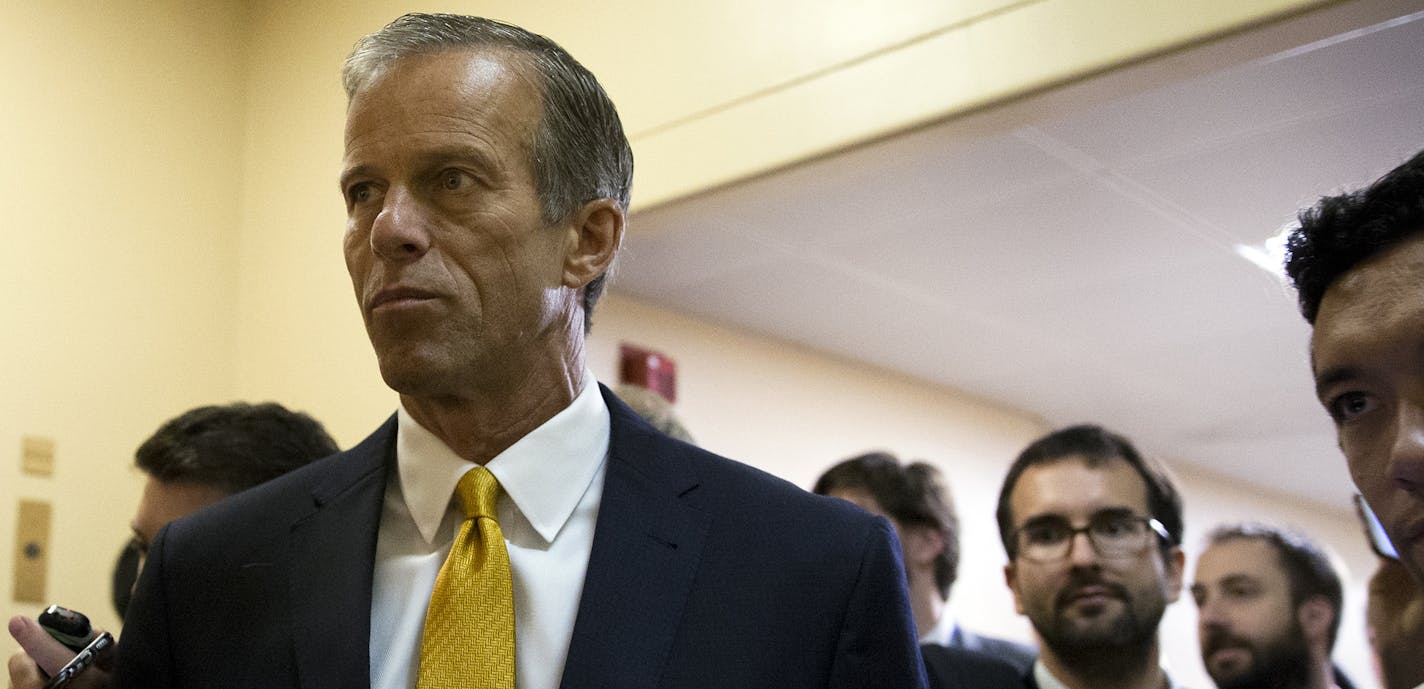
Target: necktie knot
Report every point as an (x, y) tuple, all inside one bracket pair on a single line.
[(478, 491)]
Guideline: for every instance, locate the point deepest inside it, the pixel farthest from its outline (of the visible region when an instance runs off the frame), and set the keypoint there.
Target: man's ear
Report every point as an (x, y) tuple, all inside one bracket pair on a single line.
[(1316, 615), (1176, 566), (1011, 579), (923, 545), (592, 240)]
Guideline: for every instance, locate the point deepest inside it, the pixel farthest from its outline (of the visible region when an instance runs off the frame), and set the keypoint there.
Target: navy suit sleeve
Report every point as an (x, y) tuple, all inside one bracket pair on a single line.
[(144, 652), (878, 647)]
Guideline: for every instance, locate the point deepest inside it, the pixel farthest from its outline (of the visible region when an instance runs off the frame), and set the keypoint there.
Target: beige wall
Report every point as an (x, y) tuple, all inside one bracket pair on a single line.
[(173, 229), (119, 126)]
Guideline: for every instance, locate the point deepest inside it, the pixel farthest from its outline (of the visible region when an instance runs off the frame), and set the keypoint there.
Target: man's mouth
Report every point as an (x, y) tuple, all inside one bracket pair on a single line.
[(1226, 650), (391, 297), (1092, 595), (1228, 657)]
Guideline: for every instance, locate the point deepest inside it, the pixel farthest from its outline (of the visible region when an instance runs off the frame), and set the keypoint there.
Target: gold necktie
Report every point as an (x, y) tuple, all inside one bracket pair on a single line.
[(469, 628)]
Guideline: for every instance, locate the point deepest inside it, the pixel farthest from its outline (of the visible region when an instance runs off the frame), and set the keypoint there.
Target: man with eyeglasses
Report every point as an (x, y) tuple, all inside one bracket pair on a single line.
[(1092, 530)]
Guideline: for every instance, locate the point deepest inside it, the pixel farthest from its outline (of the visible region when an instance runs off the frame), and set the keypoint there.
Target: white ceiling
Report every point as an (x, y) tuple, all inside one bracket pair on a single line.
[(1074, 261)]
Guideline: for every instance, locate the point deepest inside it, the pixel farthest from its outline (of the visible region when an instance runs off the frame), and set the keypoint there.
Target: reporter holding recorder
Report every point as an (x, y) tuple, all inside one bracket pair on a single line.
[(191, 461)]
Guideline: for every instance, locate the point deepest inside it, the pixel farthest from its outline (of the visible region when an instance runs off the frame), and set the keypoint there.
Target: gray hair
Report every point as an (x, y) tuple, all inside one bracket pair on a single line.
[(655, 409), (580, 151)]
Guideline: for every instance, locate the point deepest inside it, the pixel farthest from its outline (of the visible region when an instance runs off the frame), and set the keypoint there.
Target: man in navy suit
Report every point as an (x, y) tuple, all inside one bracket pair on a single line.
[(917, 502), (486, 180)]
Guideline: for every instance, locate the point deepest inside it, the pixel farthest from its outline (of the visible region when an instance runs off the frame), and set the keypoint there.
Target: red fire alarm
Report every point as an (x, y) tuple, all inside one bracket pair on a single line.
[(652, 370)]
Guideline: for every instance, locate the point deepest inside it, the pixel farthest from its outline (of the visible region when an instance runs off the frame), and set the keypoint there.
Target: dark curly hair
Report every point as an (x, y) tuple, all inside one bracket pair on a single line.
[(1340, 231), (913, 495)]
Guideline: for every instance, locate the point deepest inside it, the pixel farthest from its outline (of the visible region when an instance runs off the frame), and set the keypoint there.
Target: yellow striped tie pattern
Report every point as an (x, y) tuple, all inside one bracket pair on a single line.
[(469, 628)]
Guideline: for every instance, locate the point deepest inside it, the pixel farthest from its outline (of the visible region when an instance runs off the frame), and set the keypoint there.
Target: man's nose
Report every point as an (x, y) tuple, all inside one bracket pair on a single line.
[(1081, 552), (1406, 461), (1210, 614), (400, 231)]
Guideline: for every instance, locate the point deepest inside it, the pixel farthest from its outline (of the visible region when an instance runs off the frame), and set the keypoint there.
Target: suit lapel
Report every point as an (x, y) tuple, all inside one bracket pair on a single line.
[(333, 551), (646, 548)]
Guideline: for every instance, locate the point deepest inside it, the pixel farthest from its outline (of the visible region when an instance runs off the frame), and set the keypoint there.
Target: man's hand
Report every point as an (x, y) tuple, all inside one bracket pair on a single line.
[(1395, 615), (43, 656)]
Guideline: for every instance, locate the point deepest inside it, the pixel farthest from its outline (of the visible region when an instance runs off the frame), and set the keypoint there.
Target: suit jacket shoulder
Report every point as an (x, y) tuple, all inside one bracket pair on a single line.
[(270, 587), (958, 668), (1021, 656), (742, 579)]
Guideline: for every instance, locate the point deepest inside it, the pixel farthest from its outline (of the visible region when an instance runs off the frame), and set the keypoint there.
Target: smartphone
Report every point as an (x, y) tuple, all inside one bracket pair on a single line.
[(68, 627), (86, 657), (1379, 540)]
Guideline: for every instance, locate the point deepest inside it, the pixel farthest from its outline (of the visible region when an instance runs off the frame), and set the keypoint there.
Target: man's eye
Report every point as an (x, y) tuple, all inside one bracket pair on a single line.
[(1351, 405), (1115, 526), (1044, 533), (455, 180), (359, 193), (1240, 591)]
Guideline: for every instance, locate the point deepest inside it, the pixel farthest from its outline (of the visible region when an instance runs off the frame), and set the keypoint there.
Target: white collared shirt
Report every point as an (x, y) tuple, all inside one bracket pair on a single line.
[(1045, 679), (553, 485), (943, 631)]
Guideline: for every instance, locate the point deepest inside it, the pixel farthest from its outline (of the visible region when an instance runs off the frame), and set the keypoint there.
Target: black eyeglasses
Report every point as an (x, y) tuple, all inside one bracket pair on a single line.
[(1112, 533)]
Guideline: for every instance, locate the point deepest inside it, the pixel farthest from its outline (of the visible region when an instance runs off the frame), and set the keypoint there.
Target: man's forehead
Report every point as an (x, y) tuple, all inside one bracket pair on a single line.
[(451, 83), (473, 61), (1363, 301), (1242, 557), (1075, 484), (1368, 288)]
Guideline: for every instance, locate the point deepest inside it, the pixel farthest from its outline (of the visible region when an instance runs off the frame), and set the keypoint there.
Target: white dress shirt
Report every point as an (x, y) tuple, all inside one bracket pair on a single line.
[(553, 484), (1046, 680), (942, 632)]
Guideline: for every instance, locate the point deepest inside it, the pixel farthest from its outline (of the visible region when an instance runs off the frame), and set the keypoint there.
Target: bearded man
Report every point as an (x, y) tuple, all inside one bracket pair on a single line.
[(1092, 528), (1268, 605)]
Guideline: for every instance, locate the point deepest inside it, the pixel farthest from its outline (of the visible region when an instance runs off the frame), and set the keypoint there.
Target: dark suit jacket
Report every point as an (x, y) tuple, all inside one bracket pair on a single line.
[(951, 667), (1019, 655), (704, 573)]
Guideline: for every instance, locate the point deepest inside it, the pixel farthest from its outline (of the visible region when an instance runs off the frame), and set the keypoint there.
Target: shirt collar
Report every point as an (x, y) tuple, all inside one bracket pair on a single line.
[(1046, 680), (944, 631), (544, 474)]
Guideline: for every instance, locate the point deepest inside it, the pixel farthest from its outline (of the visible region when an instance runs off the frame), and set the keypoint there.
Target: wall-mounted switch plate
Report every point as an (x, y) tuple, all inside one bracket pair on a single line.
[(37, 456), (32, 551)]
